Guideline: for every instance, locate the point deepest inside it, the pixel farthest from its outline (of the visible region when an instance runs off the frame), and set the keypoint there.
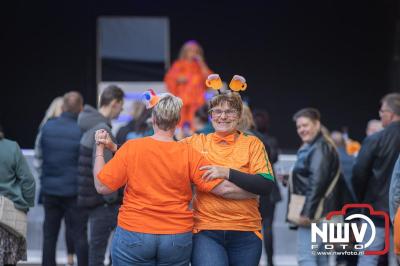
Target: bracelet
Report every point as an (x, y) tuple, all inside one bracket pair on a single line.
[(98, 155)]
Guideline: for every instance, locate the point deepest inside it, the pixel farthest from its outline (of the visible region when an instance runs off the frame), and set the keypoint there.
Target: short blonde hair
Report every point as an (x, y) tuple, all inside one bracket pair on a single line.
[(167, 112), (233, 100)]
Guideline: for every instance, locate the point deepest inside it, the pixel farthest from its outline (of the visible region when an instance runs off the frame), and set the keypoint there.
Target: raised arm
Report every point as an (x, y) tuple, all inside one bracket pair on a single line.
[(100, 137)]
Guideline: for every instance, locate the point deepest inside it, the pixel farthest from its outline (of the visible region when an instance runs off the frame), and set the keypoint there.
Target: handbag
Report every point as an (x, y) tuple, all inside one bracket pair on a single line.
[(12, 219), (297, 201)]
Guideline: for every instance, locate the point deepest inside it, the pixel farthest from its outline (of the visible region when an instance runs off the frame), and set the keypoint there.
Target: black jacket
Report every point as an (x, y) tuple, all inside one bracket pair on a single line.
[(316, 166), (374, 165), (89, 121)]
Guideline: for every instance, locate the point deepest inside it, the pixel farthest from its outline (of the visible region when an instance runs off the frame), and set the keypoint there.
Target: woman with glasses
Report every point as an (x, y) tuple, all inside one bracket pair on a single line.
[(227, 232)]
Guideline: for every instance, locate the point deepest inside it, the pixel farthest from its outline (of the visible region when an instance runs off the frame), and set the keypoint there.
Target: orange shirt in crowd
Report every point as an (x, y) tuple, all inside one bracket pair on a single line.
[(191, 92), (157, 177), (247, 154)]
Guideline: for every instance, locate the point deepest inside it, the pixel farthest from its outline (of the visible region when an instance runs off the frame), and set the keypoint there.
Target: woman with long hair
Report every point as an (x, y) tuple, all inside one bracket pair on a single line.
[(186, 78)]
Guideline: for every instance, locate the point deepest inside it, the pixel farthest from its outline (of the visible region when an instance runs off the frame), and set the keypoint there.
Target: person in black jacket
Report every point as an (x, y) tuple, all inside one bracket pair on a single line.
[(101, 211), (59, 143), (252, 124), (314, 171), (373, 168)]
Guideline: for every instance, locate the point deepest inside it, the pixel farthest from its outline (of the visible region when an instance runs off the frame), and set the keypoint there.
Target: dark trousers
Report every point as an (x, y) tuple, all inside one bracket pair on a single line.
[(69, 240), (55, 209), (102, 221), (268, 218)]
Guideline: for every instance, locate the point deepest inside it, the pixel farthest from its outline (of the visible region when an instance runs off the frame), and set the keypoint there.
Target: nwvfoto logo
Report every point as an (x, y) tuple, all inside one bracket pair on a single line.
[(337, 234)]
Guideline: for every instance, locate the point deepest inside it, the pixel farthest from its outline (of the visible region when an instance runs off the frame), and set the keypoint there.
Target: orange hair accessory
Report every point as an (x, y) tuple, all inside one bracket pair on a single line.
[(238, 83), (214, 82)]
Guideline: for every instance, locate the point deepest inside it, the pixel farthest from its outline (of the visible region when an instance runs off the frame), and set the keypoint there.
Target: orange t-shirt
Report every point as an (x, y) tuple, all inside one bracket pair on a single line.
[(157, 176), (247, 154)]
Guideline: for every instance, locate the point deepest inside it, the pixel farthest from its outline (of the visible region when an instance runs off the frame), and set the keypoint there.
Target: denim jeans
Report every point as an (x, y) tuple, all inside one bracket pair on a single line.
[(133, 248), (55, 209), (377, 244), (223, 248), (304, 254), (102, 221)]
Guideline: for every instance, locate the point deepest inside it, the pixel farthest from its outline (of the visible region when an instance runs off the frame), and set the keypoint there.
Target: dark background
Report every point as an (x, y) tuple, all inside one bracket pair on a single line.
[(338, 56)]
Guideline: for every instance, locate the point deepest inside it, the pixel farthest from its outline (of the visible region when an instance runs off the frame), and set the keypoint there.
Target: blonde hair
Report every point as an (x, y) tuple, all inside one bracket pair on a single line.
[(182, 52), (54, 110), (246, 121), (233, 100), (167, 112), (138, 108)]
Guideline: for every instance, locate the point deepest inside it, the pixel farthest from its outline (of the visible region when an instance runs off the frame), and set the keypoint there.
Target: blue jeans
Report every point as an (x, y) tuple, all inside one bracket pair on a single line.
[(223, 248), (377, 244), (132, 248), (304, 252)]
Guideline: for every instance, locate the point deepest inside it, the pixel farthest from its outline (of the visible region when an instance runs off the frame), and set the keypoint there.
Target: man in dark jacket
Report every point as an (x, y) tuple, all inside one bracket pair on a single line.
[(59, 142), (102, 210), (373, 168)]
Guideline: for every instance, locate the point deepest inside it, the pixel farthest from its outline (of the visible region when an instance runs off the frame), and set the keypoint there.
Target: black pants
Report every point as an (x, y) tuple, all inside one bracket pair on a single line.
[(102, 221), (268, 218), (55, 209), (69, 240)]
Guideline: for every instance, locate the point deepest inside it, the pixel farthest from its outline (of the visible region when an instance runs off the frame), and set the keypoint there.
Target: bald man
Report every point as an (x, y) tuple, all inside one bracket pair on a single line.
[(59, 142)]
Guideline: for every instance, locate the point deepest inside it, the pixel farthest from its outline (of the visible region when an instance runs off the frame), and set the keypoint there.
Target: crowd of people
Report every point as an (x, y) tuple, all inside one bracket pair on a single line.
[(190, 181)]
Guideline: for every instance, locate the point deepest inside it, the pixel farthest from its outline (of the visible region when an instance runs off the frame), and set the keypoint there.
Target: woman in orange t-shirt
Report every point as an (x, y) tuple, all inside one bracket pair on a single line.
[(155, 222), (186, 78), (227, 232)]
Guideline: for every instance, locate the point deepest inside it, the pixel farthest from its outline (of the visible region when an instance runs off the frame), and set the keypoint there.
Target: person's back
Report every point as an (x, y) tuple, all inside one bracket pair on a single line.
[(346, 164), (18, 185), (158, 185), (89, 121), (59, 145), (100, 211), (60, 148), (15, 174)]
